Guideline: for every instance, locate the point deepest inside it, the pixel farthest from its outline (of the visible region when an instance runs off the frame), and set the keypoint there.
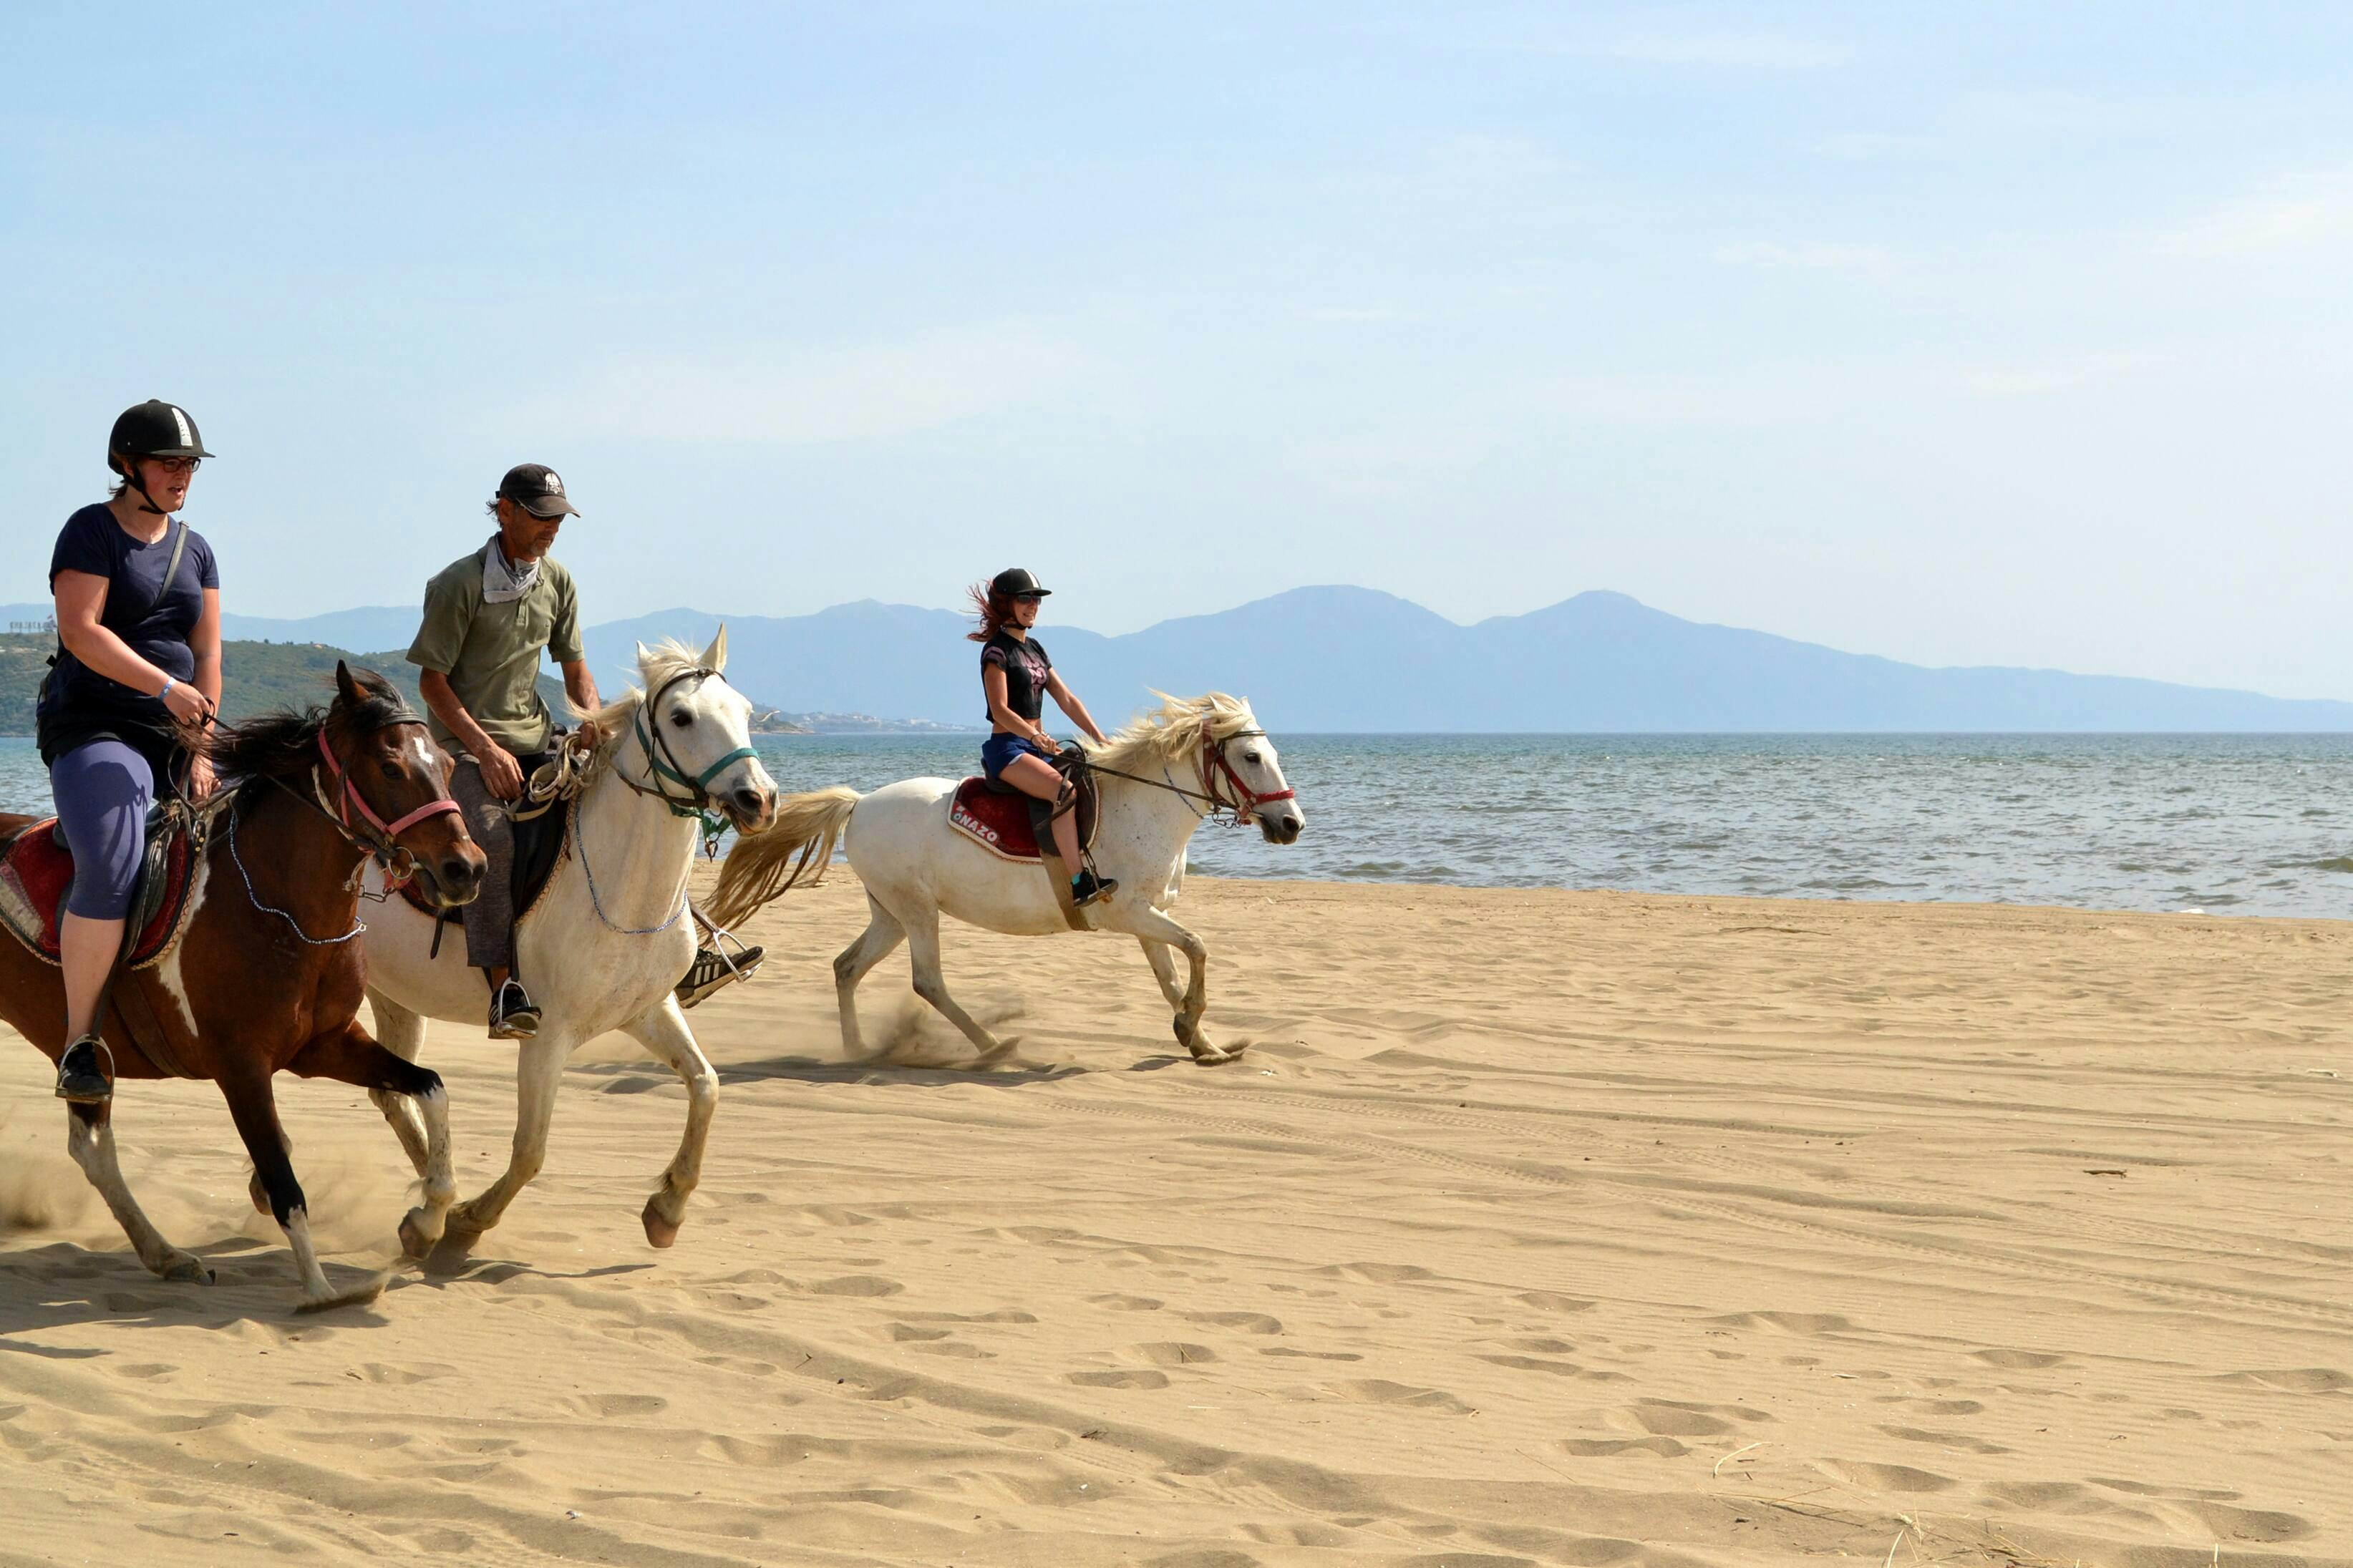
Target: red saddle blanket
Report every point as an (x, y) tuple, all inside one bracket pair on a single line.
[(35, 871), (1001, 823)]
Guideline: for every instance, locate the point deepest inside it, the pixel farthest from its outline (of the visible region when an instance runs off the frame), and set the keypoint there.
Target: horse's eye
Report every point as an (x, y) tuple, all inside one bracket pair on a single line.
[(1249, 757), (391, 771), (682, 720)]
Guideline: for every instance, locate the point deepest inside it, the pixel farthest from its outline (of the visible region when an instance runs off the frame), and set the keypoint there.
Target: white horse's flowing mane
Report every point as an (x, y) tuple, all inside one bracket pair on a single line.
[(666, 659), (1177, 726)]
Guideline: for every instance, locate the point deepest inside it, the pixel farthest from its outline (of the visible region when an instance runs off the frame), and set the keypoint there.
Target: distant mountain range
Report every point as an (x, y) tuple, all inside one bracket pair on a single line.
[(1342, 659)]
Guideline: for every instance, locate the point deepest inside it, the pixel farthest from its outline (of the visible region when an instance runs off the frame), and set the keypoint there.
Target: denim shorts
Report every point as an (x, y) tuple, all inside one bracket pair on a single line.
[(998, 752)]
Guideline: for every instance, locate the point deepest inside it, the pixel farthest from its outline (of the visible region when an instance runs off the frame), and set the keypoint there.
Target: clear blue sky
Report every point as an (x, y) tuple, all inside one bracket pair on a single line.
[(1960, 333)]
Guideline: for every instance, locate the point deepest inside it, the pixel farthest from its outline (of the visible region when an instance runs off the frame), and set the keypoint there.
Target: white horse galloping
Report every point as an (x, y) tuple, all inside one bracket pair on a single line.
[(1183, 764), (608, 939)]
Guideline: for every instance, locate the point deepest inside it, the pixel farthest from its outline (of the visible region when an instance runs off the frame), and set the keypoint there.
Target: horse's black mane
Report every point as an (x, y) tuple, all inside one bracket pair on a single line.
[(281, 745)]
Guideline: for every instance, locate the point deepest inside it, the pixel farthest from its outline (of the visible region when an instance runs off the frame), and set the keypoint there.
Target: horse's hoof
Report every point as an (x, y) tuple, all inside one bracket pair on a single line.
[(185, 1268), (1185, 1033), (413, 1242), (357, 1296), (660, 1231), (1209, 1056)]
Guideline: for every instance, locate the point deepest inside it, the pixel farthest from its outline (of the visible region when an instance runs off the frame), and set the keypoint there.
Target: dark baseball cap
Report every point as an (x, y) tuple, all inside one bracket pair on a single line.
[(538, 489)]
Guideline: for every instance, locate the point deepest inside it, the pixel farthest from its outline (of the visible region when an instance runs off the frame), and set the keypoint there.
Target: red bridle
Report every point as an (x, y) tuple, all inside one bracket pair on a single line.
[(1246, 800), (350, 797)]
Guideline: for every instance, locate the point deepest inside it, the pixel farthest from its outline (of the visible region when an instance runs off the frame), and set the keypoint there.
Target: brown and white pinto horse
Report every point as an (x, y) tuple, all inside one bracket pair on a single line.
[(263, 976)]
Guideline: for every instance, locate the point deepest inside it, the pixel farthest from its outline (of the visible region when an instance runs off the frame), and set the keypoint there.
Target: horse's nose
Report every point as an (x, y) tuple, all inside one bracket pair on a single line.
[(754, 805), (461, 876)]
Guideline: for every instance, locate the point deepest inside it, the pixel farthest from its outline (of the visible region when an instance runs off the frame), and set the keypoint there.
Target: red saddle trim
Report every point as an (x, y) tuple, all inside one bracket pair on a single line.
[(36, 873), (998, 823)]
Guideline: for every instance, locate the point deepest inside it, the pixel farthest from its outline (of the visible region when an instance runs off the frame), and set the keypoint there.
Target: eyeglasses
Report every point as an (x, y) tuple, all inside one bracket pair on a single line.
[(1028, 598), (176, 466)]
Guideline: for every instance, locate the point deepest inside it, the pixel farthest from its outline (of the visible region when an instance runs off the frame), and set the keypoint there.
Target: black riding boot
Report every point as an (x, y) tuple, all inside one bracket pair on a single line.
[(82, 1072)]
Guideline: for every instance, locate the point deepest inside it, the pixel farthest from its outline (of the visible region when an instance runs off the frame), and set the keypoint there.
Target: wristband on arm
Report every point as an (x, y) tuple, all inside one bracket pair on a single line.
[(169, 682)]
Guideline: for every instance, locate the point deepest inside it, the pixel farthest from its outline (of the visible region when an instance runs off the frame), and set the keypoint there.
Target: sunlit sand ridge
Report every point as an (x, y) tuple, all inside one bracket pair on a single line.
[(1534, 1228)]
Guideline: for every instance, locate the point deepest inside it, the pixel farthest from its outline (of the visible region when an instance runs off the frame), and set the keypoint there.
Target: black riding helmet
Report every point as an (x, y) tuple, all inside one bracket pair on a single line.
[(1015, 581), (152, 429)]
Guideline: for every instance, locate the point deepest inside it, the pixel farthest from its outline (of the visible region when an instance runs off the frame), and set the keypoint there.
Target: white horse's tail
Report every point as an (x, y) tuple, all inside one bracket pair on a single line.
[(763, 867)]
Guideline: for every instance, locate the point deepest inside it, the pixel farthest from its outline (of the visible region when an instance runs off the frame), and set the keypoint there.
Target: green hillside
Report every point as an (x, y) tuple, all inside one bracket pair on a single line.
[(256, 677)]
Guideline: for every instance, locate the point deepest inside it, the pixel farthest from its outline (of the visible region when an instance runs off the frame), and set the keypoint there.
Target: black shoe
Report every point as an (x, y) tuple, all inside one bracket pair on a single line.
[(513, 1015), (713, 969), (1086, 889), (85, 1073)]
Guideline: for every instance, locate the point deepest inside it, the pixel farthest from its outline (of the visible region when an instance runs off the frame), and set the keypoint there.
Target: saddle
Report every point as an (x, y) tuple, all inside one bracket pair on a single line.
[(1010, 825), (36, 875)]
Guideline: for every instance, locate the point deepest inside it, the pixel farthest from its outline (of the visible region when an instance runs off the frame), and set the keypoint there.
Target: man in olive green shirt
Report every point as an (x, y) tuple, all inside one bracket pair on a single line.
[(489, 618)]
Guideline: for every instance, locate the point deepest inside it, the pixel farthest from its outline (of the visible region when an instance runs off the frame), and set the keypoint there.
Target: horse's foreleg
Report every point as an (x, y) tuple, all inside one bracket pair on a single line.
[(539, 1067), (89, 1137), (402, 1032), (930, 984), (881, 937), (254, 1108), (351, 1056), (1152, 926), (663, 1032), (1164, 969)]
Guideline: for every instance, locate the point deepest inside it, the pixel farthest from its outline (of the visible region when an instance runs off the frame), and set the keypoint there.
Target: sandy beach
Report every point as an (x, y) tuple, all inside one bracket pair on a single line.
[(1535, 1227)]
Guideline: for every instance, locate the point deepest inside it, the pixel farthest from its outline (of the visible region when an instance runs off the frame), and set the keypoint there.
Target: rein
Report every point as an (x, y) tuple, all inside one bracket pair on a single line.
[(1241, 809)]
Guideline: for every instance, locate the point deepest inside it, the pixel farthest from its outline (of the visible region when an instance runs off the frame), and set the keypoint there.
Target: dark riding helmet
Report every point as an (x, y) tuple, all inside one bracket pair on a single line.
[(1014, 581), (152, 429)]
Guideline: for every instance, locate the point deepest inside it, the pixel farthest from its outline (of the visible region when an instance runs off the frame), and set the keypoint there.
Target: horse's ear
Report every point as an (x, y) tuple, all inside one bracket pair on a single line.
[(715, 655), (347, 687), (644, 653)]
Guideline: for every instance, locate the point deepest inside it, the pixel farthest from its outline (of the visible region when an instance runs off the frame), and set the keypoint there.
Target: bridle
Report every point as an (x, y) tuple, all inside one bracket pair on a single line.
[(662, 766), (1246, 800), (372, 835), (1242, 806)]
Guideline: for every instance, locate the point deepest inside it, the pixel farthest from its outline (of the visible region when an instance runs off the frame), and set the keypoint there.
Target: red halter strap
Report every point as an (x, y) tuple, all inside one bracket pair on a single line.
[(350, 797), (1246, 799)]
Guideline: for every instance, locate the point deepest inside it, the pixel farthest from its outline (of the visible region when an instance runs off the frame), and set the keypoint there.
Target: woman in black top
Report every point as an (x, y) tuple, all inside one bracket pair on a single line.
[(138, 606), (1017, 677)]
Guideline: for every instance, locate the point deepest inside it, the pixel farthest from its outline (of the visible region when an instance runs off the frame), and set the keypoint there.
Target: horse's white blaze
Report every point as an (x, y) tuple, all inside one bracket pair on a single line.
[(168, 972), (588, 977)]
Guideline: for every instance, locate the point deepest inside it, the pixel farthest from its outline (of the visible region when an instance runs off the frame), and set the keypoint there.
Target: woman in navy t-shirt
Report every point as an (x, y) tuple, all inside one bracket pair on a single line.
[(1017, 677), (137, 604)]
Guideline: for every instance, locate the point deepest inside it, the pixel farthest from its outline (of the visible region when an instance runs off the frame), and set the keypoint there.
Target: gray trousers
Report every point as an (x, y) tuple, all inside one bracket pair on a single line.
[(489, 918)]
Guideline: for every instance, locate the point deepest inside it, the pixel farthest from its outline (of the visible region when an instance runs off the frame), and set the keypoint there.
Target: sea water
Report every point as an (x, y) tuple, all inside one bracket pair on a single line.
[(2226, 824)]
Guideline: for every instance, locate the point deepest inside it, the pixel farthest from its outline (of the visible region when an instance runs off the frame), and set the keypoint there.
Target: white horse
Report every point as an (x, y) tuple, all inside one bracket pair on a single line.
[(606, 942), (1183, 764)]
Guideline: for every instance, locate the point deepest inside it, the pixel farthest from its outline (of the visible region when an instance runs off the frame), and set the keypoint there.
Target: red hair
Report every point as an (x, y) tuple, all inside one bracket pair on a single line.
[(991, 608)]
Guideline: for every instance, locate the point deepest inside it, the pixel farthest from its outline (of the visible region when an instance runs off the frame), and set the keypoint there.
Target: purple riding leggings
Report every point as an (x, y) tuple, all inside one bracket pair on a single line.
[(102, 789)]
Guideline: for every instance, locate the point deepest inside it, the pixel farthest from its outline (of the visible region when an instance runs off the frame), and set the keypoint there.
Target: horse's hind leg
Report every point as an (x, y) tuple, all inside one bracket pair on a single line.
[(351, 1056), (91, 1140), (881, 937), (930, 984), (402, 1032), (663, 1032), (254, 1108)]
